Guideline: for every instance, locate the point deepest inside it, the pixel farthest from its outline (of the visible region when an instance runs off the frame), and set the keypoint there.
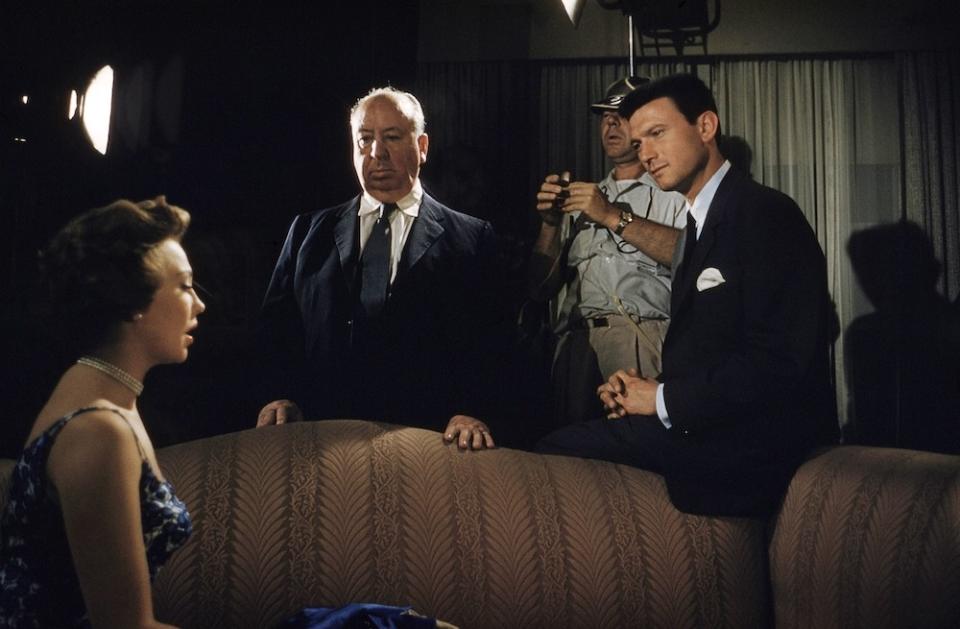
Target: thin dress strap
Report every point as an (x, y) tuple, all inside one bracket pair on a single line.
[(143, 456)]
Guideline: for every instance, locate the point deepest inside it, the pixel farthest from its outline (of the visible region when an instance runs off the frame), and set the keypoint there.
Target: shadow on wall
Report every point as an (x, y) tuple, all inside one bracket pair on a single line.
[(738, 151), (458, 177), (903, 360)]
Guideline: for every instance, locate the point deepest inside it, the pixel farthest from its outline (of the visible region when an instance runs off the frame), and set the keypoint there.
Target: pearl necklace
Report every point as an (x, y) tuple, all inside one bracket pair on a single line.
[(114, 372)]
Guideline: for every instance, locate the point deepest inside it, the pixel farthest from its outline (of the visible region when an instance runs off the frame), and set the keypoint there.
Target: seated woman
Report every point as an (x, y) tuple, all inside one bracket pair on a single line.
[(90, 519)]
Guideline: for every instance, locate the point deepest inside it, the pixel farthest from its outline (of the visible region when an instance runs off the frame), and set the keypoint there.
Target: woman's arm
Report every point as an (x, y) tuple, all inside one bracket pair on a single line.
[(95, 466)]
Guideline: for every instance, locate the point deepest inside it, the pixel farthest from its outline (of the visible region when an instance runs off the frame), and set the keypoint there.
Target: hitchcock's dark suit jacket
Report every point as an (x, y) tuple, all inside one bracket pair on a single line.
[(427, 358), (746, 362)]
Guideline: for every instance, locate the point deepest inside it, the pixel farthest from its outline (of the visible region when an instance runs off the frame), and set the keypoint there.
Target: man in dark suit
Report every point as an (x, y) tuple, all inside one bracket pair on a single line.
[(745, 391), (380, 308)]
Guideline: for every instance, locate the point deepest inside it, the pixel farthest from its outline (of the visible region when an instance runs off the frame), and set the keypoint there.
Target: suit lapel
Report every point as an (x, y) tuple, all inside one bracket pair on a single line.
[(424, 232), (716, 215), (688, 276), (345, 234)]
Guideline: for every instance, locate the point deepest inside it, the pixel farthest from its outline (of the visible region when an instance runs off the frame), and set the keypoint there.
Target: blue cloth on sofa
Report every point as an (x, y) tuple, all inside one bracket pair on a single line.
[(358, 616)]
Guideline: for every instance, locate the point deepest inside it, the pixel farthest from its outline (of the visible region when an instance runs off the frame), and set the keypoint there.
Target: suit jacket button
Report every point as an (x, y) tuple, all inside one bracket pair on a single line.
[(349, 322)]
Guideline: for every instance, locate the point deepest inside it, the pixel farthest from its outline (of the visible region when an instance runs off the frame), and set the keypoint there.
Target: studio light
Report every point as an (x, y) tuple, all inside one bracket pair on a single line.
[(95, 107), (574, 9), (133, 108), (668, 22), (72, 108)]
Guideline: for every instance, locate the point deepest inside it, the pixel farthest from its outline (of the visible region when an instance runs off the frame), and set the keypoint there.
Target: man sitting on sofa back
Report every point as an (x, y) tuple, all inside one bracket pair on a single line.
[(745, 390)]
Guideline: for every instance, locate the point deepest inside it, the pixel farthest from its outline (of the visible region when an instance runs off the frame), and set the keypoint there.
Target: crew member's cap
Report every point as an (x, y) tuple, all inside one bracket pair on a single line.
[(615, 93)]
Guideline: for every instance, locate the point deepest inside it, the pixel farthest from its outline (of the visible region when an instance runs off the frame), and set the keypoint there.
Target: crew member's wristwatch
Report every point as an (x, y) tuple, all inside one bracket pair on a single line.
[(626, 217)]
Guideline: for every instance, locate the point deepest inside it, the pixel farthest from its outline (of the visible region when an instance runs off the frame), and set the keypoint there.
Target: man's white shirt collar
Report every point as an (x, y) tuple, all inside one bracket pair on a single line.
[(409, 204), (647, 179), (705, 197)]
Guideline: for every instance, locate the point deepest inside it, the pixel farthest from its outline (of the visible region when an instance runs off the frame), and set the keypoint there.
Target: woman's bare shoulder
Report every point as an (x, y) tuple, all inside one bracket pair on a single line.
[(94, 444)]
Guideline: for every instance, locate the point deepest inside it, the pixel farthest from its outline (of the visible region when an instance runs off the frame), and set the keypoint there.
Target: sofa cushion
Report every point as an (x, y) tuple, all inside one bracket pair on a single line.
[(869, 537), (331, 512)]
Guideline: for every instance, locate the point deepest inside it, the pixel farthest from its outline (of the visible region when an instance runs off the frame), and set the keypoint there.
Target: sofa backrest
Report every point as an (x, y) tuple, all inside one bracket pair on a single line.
[(332, 512), (869, 537), (327, 513)]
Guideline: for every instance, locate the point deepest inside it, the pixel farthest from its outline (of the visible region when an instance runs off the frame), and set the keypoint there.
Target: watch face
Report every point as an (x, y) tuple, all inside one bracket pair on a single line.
[(625, 219)]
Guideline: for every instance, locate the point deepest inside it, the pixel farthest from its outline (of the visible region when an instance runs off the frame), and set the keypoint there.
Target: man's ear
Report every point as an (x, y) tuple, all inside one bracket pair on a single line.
[(708, 123), (423, 143)]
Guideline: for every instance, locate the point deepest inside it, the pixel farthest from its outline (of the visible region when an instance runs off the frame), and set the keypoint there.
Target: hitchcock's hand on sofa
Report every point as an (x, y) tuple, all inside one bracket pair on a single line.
[(279, 412), (473, 433)]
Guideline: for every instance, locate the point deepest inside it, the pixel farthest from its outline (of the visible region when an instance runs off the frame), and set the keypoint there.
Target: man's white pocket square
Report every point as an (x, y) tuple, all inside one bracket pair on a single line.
[(709, 278)]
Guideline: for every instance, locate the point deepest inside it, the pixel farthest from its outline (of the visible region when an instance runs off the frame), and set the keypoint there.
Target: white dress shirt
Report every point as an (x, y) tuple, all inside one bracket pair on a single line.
[(400, 222)]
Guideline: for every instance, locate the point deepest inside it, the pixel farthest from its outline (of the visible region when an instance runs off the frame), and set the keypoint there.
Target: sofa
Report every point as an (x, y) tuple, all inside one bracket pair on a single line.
[(333, 512)]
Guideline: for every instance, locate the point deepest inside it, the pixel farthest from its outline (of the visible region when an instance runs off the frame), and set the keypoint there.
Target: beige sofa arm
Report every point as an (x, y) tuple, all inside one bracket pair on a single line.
[(869, 537)]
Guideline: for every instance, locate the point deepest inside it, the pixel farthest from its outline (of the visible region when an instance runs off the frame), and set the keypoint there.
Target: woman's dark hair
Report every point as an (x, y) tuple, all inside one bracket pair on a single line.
[(97, 272)]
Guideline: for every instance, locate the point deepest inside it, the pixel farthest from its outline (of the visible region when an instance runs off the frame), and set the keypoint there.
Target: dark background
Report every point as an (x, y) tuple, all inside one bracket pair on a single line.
[(237, 114), (240, 116)]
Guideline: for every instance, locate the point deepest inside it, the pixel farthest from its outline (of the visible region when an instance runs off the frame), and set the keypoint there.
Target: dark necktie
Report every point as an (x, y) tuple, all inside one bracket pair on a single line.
[(375, 265), (689, 244)]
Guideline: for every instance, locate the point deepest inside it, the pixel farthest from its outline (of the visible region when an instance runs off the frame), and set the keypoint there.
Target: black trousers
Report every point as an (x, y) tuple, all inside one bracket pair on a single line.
[(739, 476), (636, 440)]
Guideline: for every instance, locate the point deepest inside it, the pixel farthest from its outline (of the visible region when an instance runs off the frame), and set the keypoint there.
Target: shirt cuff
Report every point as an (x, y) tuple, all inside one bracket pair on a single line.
[(662, 408)]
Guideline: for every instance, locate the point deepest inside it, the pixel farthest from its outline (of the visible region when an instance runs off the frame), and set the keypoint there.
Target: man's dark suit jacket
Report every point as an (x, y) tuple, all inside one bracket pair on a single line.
[(427, 358), (746, 367)]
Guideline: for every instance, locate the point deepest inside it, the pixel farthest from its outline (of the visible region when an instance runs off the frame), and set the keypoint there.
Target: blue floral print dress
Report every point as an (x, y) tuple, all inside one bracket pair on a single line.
[(38, 584)]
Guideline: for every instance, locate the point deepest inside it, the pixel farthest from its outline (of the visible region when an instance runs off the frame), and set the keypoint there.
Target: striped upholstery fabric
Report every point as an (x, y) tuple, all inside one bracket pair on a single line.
[(327, 513), (332, 512), (869, 537)]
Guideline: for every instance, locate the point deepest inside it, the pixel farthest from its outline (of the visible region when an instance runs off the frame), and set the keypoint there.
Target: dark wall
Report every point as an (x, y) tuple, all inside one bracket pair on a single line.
[(238, 115)]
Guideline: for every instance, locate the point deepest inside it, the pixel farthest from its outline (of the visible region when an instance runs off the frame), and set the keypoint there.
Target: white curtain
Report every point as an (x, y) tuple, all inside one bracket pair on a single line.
[(823, 132), (826, 131)]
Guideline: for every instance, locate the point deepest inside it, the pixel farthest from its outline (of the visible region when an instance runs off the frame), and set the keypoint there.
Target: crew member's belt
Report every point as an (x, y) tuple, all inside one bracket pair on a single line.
[(595, 322), (603, 322)]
